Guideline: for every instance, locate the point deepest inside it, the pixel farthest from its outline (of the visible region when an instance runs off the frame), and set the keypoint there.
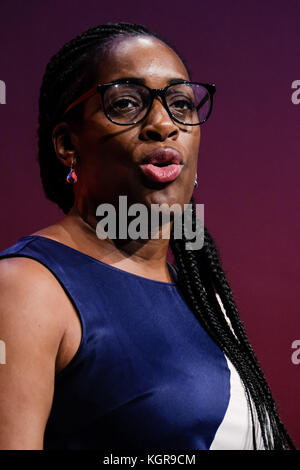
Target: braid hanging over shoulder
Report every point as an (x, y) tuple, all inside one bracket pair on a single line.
[(71, 72), (201, 277)]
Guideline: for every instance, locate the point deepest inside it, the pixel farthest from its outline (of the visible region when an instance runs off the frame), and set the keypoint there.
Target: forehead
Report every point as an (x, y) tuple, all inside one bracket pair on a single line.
[(143, 57)]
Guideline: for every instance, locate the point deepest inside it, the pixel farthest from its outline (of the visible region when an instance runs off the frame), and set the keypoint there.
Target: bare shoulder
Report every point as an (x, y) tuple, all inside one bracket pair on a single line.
[(54, 231), (37, 302), (31, 298), (31, 329)]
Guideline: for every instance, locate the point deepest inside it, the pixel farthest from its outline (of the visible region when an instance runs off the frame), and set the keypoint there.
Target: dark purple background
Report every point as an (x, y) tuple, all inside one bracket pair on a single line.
[(249, 161)]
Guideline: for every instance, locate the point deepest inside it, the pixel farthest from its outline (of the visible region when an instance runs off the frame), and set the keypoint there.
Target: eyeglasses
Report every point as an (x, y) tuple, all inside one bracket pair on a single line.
[(126, 102)]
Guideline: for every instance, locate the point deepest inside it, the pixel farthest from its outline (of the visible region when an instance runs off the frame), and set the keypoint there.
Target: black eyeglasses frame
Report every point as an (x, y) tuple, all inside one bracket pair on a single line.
[(154, 92)]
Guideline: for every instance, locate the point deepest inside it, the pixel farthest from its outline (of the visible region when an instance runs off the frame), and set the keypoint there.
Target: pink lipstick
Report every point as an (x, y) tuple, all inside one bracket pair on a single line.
[(162, 165)]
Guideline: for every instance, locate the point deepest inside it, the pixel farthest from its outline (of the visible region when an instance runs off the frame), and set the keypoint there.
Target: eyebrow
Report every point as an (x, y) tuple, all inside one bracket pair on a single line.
[(142, 81)]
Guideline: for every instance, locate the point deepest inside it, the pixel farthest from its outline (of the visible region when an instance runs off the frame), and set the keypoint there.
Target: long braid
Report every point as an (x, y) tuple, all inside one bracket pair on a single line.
[(197, 298), (200, 277), (70, 73), (223, 289)]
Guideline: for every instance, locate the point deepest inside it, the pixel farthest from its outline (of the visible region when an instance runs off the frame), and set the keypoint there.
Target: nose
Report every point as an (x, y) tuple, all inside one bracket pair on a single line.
[(158, 125)]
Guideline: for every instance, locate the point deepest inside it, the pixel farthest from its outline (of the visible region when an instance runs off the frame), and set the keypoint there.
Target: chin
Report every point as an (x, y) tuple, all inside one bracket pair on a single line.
[(169, 195)]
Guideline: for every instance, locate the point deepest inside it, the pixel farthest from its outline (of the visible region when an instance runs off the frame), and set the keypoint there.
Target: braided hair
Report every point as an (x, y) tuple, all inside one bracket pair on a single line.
[(200, 278), (69, 73)]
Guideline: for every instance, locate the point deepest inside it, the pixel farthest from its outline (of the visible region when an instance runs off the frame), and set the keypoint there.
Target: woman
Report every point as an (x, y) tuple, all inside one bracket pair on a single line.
[(108, 347)]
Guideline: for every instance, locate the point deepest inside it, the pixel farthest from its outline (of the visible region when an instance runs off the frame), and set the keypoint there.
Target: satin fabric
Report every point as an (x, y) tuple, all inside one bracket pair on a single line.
[(146, 374)]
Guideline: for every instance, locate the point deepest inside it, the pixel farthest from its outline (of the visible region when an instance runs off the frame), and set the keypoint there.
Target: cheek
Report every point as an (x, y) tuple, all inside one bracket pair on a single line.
[(191, 143), (195, 138), (99, 143)]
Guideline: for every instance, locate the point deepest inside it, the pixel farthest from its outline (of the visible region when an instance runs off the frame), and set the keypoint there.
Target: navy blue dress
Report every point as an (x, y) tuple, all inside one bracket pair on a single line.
[(146, 374)]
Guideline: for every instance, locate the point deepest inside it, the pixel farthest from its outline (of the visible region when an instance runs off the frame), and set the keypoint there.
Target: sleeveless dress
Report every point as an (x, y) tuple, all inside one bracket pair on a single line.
[(146, 374)]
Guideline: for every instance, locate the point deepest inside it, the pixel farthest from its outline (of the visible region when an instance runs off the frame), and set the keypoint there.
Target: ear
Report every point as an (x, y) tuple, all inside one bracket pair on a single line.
[(65, 143)]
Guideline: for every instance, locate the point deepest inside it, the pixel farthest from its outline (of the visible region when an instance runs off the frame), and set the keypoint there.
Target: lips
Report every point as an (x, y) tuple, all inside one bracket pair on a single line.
[(162, 165)]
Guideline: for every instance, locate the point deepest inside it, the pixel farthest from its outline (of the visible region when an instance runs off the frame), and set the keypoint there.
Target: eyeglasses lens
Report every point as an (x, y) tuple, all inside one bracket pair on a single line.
[(188, 103)]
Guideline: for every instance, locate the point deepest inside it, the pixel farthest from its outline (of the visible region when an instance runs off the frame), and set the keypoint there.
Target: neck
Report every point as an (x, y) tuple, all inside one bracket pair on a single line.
[(145, 257)]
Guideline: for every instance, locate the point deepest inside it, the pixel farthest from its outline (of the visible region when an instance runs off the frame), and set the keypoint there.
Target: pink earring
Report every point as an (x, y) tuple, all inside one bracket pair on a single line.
[(72, 177)]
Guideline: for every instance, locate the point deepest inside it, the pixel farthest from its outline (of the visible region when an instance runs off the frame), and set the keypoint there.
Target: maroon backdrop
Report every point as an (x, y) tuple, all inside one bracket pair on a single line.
[(249, 161)]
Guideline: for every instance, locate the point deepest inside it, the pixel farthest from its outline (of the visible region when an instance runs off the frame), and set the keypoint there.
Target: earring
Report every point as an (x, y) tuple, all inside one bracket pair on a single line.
[(72, 177), (196, 181)]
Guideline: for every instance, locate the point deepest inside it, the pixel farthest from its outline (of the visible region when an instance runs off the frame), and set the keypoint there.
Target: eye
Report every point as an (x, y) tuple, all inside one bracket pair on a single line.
[(125, 104), (182, 104)]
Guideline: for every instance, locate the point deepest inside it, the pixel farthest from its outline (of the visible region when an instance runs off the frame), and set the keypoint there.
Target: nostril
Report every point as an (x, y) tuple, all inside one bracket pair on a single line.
[(159, 137), (154, 136)]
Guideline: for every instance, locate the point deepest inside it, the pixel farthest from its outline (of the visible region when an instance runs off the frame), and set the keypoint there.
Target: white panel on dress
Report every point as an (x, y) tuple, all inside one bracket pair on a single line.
[(235, 431)]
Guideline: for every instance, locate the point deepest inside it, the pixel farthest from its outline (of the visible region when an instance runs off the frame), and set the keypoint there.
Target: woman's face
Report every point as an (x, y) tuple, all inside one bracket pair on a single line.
[(110, 155)]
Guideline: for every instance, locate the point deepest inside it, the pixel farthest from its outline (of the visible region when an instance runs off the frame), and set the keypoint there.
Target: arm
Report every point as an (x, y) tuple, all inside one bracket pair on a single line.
[(32, 328)]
